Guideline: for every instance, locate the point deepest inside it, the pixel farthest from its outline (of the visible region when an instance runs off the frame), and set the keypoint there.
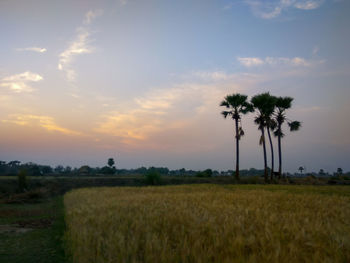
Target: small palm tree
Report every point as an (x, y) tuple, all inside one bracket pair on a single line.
[(264, 104), (301, 169), (282, 104), (237, 105)]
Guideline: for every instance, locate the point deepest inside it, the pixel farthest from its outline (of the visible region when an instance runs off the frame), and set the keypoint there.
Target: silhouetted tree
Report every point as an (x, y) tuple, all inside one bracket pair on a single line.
[(68, 169), (14, 163), (301, 169), (237, 105), (59, 169), (110, 162), (321, 172), (270, 126), (282, 104), (339, 171), (264, 105)]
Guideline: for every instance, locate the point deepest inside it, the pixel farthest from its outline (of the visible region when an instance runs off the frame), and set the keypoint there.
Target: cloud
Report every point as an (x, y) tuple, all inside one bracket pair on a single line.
[(250, 61), (308, 5), (91, 15), (272, 61), (78, 47), (272, 8), (20, 82), (212, 75), (43, 121), (34, 49), (160, 110)]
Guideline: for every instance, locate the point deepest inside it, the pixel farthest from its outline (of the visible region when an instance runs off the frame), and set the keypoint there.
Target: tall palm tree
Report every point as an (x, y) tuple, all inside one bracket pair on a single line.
[(282, 104), (264, 104), (237, 105), (270, 126)]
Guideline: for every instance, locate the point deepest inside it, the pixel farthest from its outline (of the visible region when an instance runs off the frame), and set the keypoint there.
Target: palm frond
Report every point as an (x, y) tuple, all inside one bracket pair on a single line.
[(226, 113), (284, 103), (294, 125), (225, 103)]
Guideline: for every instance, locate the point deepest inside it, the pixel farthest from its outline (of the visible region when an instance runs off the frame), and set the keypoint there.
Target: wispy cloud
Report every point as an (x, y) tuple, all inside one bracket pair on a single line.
[(271, 9), (33, 49), (251, 61), (271, 61), (43, 121), (212, 75), (79, 46), (20, 82), (160, 110), (91, 15)]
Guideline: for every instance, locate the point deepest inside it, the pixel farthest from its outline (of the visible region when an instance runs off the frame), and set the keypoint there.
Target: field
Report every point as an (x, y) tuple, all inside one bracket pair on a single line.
[(209, 223)]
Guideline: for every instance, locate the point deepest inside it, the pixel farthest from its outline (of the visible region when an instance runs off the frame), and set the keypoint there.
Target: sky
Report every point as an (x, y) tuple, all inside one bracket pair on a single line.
[(141, 81)]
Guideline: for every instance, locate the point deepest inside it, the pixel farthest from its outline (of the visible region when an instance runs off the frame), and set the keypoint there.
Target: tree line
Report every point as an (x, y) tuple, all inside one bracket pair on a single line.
[(270, 117)]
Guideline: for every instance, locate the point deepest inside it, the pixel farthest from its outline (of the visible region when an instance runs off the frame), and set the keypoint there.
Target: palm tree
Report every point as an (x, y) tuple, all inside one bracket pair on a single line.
[(264, 104), (237, 105), (301, 169), (282, 104)]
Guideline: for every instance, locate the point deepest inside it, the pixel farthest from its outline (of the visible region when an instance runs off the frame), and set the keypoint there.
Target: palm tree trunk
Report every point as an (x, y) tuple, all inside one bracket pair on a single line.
[(237, 150), (279, 156), (264, 148), (272, 155)]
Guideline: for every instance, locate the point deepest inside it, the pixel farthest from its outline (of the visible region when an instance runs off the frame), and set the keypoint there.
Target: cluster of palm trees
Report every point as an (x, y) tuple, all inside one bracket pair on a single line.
[(270, 117)]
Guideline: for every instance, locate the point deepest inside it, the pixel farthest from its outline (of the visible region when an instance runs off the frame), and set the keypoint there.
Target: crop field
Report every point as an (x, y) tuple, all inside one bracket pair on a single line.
[(209, 223)]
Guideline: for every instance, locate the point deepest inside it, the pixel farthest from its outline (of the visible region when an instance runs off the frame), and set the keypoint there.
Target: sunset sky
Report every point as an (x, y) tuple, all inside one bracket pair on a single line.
[(141, 80)]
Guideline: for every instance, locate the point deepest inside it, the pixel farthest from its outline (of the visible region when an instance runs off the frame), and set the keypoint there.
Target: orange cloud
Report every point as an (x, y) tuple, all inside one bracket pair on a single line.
[(45, 122)]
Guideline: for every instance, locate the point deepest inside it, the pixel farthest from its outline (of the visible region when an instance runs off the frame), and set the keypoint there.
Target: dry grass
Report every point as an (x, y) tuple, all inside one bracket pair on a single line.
[(208, 223)]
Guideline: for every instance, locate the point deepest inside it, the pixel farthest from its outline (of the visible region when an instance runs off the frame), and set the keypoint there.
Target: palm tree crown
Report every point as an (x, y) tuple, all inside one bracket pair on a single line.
[(238, 104)]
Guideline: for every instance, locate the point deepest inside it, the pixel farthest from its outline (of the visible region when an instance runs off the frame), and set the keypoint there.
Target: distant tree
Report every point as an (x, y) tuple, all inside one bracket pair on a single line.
[(85, 169), (110, 162), (14, 163), (68, 169), (142, 170), (237, 105), (34, 170), (301, 169), (282, 104), (264, 105), (321, 172), (339, 171), (182, 171), (59, 169), (46, 169), (107, 170)]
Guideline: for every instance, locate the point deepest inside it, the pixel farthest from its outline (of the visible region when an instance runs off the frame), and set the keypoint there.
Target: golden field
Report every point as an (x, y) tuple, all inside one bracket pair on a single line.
[(209, 223)]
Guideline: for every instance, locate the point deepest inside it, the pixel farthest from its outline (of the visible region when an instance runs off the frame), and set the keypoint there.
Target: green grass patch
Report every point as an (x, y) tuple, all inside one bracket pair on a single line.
[(36, 232)]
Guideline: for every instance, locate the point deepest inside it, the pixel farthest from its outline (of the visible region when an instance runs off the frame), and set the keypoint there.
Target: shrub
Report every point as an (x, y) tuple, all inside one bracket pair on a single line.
[(205, 173), (107, 170), (152, 177)]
